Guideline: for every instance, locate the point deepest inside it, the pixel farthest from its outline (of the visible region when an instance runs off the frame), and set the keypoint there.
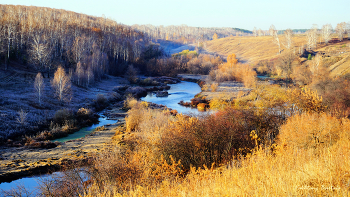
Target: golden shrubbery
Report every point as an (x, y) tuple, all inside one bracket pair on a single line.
[(311, 130), (278, 170), (234, 71), (166, 155)]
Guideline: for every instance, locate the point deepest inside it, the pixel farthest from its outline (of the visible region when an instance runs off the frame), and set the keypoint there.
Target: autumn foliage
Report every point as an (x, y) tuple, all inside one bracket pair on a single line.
[(234, 71)]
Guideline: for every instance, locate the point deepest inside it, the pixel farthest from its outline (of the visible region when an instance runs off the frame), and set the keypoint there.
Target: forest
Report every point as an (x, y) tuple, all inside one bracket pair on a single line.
[(278, 104)]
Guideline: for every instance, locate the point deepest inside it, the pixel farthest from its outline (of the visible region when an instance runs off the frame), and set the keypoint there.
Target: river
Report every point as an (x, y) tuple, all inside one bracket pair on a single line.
[(184, 91)]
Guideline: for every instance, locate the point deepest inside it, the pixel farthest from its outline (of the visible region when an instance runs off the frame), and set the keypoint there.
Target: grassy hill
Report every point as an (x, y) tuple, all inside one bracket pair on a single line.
[(253, 49), (250, 49)]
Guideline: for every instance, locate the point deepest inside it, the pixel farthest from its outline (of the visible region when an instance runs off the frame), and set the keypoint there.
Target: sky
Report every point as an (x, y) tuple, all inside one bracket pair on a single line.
[(245, 14)]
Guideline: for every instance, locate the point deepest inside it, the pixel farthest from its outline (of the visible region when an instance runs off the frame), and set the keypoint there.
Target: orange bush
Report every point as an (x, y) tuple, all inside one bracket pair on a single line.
[(310, 130), (232, 70)]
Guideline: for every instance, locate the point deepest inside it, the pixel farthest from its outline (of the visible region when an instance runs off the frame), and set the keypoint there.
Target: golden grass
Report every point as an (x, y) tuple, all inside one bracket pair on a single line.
[(287, 171), (310, 158), (290, 173), (251, 49)]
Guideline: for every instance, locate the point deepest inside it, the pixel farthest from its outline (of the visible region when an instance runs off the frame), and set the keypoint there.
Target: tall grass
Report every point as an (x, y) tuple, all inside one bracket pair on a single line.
[(278, 170), (233, 152)]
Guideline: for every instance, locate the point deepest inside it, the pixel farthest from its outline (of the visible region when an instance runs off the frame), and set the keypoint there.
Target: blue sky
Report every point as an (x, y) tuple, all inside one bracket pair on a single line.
[(246, 14)]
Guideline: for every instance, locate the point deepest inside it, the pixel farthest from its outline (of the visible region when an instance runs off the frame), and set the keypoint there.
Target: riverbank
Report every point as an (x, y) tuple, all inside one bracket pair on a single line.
[(228, 90), (17, 162)]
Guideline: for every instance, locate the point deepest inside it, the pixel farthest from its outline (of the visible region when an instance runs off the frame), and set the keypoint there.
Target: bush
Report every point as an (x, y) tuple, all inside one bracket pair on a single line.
[(62, 116), (100, 102), (215, 138), (214, 87), (309, 57), (310, 130)]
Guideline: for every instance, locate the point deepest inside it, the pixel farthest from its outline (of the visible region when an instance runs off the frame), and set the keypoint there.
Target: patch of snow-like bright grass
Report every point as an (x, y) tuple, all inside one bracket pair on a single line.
[(20, 112)]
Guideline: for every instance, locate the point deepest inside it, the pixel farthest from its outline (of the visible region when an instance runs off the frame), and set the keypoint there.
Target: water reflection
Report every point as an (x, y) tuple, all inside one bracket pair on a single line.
[(86, 130), (184, 91)]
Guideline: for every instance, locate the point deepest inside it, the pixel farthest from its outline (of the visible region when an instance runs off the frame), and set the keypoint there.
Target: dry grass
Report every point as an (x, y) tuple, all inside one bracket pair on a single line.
[(251, 49), (254, 49), (286, 171)]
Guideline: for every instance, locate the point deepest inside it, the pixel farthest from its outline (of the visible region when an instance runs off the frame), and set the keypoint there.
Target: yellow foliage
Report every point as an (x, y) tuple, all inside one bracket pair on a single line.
[(293, 172), (307, 100), (201, 106), (232, 70), (217, 103), (214, 87), (311, 130), (182, 122), (231, 59), (130, 102), (215, 36), (205, 87)]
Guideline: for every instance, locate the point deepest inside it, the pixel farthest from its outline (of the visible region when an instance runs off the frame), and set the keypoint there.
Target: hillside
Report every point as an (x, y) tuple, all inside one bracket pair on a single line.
[(41, 38), (253, 49), (250, 49)]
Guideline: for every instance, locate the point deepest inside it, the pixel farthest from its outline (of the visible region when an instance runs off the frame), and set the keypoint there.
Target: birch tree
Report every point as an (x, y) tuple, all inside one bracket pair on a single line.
[(288, 35), (61, 84), (316, 64), (39, 86), (255, 32), (312, 37), (341, 30), (275, 39), (79, 72), (39, 53), (327, 32)]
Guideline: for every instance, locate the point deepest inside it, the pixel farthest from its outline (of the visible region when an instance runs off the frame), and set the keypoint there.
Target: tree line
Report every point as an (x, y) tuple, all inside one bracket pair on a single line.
[(188, 34), (43, 38)]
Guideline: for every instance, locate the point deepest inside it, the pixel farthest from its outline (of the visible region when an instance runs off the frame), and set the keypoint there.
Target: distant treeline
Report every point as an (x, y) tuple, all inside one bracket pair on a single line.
[(188, 34), (296, 31)]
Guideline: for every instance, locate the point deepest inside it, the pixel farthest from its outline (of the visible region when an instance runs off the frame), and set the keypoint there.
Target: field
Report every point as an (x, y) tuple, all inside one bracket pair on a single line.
[(251, 50)]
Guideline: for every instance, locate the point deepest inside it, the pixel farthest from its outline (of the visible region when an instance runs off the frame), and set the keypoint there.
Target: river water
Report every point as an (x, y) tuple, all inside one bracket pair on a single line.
[(184, 91)]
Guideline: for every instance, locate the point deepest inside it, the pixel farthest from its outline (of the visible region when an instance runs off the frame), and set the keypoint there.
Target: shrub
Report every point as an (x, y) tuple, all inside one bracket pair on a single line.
[(62, 116), (86, 116), (215, 138), (310, 130), (101, 102), (201, 106), (214, 87), (309, 57), (130, 102)]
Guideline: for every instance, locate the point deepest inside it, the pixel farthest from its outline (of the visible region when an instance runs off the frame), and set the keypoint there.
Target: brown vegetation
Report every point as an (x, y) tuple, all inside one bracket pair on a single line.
[(233, 71)]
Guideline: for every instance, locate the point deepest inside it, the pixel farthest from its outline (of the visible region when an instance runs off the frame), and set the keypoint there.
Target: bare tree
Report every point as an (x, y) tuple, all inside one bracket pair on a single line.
[(89, 75), (288, 35), (79, 72), (10, 31), (62, 84), (341, 30), (312, 37), (286, 63), (276, 40), (316, 64), (260, 32), (40, 53), (79, 48), (348, 29), (327, 32), (22, 119), (39, 86), (255, 32)]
